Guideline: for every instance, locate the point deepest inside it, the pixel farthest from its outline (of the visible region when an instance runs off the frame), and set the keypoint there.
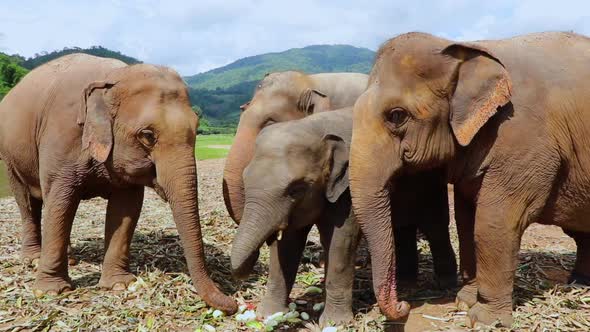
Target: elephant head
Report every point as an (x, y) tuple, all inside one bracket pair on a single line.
[(427, 99), (279, 97), (138, 123), (296, 170)]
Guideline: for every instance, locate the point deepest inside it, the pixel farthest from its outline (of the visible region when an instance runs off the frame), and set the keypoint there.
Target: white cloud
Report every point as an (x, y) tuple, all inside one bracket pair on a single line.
[(193, 36)]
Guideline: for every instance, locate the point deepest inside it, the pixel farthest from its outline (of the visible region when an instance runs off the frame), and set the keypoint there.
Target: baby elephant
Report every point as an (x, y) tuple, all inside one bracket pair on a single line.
[(299, 177)]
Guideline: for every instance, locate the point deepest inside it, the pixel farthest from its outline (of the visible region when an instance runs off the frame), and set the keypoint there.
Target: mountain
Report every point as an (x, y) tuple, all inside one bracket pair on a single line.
[(99, 51), (310, 59), (220, 92), (10, 72)]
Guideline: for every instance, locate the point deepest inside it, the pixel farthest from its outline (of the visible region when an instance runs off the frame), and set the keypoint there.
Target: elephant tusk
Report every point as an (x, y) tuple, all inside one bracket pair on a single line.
[(280, 236)]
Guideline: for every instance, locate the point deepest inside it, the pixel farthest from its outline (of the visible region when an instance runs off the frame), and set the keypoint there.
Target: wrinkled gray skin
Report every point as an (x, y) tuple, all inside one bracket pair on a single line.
[(299, 177)]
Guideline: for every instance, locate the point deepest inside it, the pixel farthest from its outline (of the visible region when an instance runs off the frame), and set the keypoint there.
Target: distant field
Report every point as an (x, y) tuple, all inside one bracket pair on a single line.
[(213, 146)]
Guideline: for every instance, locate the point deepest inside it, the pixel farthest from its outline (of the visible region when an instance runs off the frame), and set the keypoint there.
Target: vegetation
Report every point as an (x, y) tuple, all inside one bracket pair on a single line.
[(221, 91), (310, 59), (10, 73), (213, 146), (44, 57)]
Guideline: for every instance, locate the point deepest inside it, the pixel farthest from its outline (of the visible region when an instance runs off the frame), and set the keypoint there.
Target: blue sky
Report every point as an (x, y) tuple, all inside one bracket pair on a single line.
[(196, 35)]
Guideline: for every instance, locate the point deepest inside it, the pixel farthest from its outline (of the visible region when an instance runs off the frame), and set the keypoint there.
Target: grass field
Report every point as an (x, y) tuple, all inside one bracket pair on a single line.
[(213, 146)]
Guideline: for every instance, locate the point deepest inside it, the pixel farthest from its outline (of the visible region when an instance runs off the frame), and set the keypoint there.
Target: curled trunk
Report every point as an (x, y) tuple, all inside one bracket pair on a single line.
[(178, 179)]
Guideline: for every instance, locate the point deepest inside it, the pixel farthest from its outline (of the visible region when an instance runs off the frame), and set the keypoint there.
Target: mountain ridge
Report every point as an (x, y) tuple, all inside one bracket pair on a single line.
[(309, 59)]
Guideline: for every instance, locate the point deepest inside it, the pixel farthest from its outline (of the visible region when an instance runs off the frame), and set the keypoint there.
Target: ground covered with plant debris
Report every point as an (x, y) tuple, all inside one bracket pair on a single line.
[(163, 297)]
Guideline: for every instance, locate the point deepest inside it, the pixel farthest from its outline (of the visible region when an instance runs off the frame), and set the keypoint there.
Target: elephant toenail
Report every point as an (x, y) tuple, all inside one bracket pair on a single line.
[(119, 286), (38, 293)]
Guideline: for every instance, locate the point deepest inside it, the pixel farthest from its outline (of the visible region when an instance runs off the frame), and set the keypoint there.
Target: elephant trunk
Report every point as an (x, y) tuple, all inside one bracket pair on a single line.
[(261, 220), (240, 155), (372, 207), (178, 181)]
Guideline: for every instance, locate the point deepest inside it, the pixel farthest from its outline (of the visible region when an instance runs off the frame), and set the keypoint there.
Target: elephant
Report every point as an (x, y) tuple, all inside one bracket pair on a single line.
[(279, 97), (80, 127), (508, 120), (298, 177)]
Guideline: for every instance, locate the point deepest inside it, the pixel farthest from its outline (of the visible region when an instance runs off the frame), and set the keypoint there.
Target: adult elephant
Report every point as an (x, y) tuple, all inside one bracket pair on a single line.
[(82, 126), (279, 97), (509, 119)]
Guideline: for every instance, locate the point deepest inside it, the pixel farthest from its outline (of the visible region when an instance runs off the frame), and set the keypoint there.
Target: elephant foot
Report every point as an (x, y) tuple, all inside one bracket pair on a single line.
[(446, 281), (483, 314), (332, 316), (269, 307), (118, 281), (578, 278), (30, 256), (466, 297), (50, 285)]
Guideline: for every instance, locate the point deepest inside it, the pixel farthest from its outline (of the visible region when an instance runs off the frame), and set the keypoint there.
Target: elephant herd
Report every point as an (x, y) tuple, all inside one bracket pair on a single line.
[(506, 122)]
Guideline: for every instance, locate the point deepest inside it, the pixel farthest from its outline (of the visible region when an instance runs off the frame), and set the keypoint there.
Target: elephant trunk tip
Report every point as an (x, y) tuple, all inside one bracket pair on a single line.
[(221, 301), (393, 309)]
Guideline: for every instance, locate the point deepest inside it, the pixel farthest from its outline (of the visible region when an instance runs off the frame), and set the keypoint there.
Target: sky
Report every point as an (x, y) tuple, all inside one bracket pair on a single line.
[(193, 36)]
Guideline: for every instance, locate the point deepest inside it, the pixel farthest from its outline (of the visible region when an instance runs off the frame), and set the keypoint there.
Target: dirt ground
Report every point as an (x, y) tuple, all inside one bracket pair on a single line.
[(163, 298)]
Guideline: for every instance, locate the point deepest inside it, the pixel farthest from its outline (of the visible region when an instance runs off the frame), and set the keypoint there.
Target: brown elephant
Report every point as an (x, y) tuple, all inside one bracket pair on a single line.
[(80, 127), (298, 177), (279, 97), (509, 120)]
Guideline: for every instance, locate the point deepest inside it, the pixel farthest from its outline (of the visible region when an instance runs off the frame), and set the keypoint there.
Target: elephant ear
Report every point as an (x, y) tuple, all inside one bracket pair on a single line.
[(313, 101), (482, 85), (336, 166), (95, 115)]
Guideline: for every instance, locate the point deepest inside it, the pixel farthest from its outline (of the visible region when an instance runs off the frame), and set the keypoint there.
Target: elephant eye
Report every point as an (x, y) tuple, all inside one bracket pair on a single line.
[(147, 137), (397, 117), (297, 189)]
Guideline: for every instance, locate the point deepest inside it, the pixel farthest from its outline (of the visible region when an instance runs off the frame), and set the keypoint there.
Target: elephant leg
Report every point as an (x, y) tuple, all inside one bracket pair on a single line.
[(340, 243), (284, 261), (497, 242), (465, 221), (60, 208), (30, 212), (406, 249), (581, 271), (443, 256), (123, 211)]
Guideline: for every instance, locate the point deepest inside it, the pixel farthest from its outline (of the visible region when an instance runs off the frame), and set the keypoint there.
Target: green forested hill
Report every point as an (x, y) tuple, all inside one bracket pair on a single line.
[(310, 59), (221, 91), (10, 73), (100, 51)]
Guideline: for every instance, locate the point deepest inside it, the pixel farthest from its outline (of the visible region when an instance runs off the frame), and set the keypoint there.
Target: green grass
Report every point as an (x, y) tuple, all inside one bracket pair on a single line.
[(212, 146)]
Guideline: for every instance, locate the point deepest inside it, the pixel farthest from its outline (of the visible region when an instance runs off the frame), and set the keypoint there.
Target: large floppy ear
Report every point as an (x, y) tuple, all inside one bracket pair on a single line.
[(313, 101), (336, 166), (95, 115), (482, 85)]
